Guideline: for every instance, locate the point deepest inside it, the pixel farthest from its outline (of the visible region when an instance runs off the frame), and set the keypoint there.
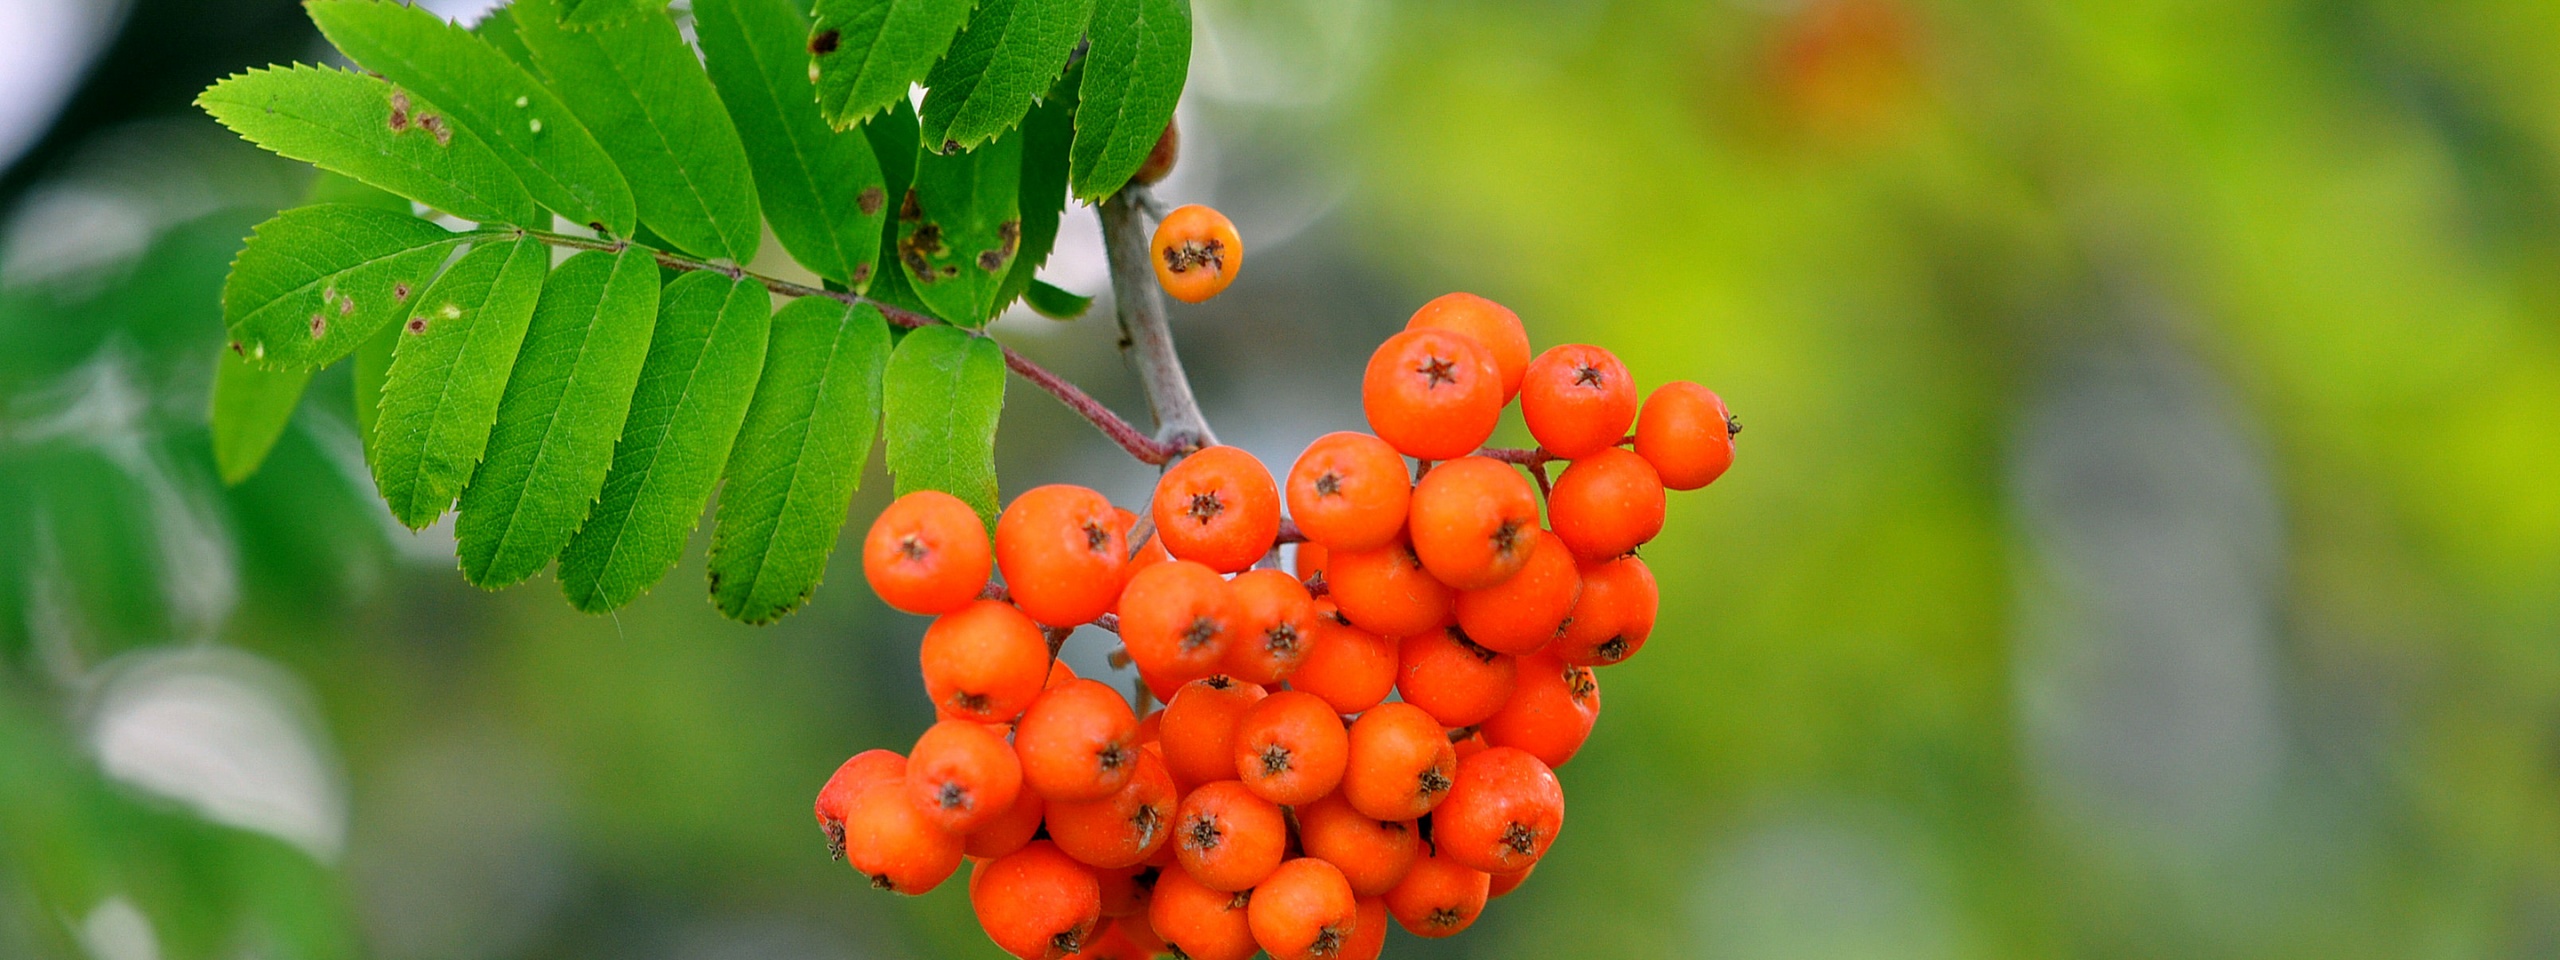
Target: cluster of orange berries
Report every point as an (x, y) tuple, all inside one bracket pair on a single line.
[(1280, 801)]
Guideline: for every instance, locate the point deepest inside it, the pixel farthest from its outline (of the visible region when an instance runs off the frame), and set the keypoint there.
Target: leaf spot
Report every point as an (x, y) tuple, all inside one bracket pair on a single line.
[(823, 43), (870, 199)]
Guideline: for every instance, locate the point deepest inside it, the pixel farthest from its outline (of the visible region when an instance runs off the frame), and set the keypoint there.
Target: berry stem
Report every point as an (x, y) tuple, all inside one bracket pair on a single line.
[(1532, 457), (1143, 326)]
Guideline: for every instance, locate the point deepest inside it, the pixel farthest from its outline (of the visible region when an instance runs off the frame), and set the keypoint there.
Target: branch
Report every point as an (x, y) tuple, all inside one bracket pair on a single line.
[(1142, 322)]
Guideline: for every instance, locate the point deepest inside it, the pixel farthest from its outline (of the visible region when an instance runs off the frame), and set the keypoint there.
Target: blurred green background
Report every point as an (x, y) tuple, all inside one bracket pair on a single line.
[(2145, 542)]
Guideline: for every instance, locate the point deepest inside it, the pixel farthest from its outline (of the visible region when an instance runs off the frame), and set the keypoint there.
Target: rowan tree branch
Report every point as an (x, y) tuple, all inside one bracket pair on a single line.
[(1143, 327)]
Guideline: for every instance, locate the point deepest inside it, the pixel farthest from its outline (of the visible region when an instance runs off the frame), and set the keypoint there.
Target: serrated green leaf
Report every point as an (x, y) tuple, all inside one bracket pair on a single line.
[(492, 98), (960, 226), (942, 394), (1002, 61), (865, 53), (315, 281), (590, 14), (329, 187), (1055, 303), (368, 129), (371, 366), (563, 409), (640, 90), (821, 187), (799, 458), (1046, 136), (499, 29), (704, 357), (250, 410), (447, 374), (1133, 76), (893, 141)]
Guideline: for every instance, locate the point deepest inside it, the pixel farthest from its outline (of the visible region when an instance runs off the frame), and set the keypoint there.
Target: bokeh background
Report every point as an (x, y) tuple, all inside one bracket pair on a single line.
[(2145, 542)]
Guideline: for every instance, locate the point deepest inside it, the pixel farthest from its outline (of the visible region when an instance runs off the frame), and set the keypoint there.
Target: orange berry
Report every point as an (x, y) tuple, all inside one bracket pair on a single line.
[(1150, 553), (1687, 434), (1474, 521), (1578, 400), (893, 842), (1502, 812), (1176, 619), (1120, 830), (1061, 548), (984, 662), (1400, 763), (1439, 897), (1491, 325), (1303, 911), (1506, 882), (1111, 939), (1196, 253), (1218, 507), (1348, 492), (864, 769), (1523, 614), (1201, 718), (1614, 616), (962, 775), (927, 553), (1386, 591), (1227, 837), (1077, 742), (1010, 829), (1309, 562), (1432, 394), (1454, 679), (1349, 668), (1290, 748), (1275, 622), (1550, 713), (1059, 673), (1151, 726), (1369, 933), (1471, 745), (1124, 891), (1161, 158), (1372, 854), (1037, 903), (1606, 504), (1202, 922)]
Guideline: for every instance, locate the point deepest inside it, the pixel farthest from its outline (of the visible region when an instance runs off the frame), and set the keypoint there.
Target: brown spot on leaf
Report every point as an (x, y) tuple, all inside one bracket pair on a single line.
[(400, 292), (1009, 236), (861, 272), (435, 125), (990, 260), (870, 199), (417, 324), (824, 42), (909, 209), (319, 327)]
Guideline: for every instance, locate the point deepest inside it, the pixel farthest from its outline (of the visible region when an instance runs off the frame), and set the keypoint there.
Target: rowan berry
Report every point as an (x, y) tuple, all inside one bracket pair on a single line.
[(927, 553), (1199, 745), (1454, 679), (1303, 911), (1176, 619), (1373, 854), (1439, 897), (1615, 615), (1077, 742), (1687, 434), (1010, 829), (1112, 941), (1197, 253), (1349, 668), (1578, 400), (1062, 549), (1219, 507), (862, 770), (1161, 158), (1491, 325), (1202, 922), (962, 775), (1124, 890), (1525, 613), (1550, 713), (1606, 504), (1400, 763), (1151, 726), (1291, 748), (1432, 394), (984, 662), (1309, 562), (892, 841), (1059, 673), (1469, 745), (1506, 882), (1275, 622), (1502, 812), (1037, 903), (1228, 837), (1149, 553), (1369, 932), (1386, 591), (1474, 521), (1120, 830), (1348, 492)]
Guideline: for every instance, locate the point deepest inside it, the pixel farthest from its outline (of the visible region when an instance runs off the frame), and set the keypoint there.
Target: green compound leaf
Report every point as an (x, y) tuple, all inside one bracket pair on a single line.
[(893, 141), (1006, 57), (368, 129), (251, 408), (959, 228), (866, 52), (821, 187), (943, 391), (639, 88), (703, 361), (799, 457), (590, 14), (315, 281), (441, 395), (1133, 76), (1046, 135), (499, 29), (562, 411), (370, 368), (1054, 303), (492, 98)]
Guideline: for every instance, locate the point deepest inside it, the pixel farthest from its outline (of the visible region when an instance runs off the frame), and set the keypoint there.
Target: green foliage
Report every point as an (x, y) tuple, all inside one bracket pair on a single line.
[(638, 86), (799, 457), (945, 388), (821, 187), (1047, 135), (701, 370), (371, 367), (1002, 61), (315, 281), (866, 52), (491, 97), (251, 407), (368, 129), (447, 375), (590, 14), (563, 409), (960, 227), (1133, 74), (1054, 303)]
